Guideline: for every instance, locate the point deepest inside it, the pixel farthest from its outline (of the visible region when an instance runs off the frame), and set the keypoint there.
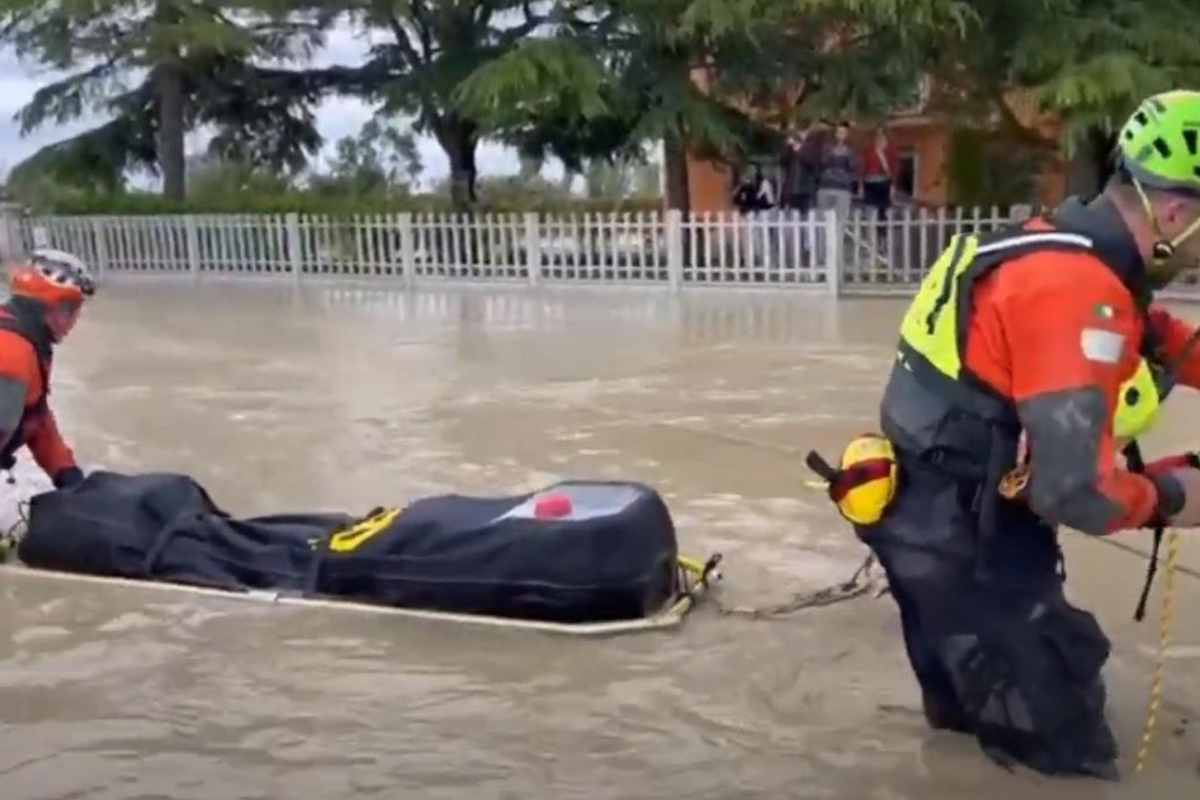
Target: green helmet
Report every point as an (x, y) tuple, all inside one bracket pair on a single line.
[(1160, 142)]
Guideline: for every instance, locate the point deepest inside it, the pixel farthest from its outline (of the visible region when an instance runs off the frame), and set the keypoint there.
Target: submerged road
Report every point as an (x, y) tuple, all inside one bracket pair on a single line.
[(284, 398)]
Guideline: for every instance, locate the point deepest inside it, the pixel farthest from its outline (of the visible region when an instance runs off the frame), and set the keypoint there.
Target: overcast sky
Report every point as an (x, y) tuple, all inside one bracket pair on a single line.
[(336, 117)]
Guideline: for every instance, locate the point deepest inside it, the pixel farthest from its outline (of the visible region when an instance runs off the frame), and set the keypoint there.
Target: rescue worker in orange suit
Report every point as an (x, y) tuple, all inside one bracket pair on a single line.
[(47, 292), (1018, 342)]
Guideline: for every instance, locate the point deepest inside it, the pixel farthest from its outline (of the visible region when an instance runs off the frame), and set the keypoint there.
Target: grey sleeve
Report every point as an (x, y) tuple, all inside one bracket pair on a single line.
[(1064, 430), (12, 406)]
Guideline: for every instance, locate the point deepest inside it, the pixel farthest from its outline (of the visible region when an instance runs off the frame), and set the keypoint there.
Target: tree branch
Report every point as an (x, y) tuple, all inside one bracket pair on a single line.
[(1013, 125), (321, 19), (514, 35), (16, 18), (34, 113), (420, 16), (403, 44), (856, 40), (604, 23)]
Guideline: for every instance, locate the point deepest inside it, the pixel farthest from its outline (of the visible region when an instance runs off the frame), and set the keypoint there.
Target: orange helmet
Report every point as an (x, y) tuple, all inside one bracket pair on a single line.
[(52, 277)]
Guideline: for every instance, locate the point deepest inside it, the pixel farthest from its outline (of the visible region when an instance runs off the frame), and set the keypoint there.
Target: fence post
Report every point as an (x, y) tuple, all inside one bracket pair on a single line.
[(533, 248), (1019, 212), (40, 234), (193, 244), (11, 245), (24, 234), (833, 252), (292, 221), (924, 257), (101, 246), (674, 232), (407, 254)]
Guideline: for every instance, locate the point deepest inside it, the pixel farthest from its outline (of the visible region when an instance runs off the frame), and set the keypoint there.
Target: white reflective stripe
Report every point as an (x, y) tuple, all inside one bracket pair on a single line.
[(1101, 346), (1036, 238)]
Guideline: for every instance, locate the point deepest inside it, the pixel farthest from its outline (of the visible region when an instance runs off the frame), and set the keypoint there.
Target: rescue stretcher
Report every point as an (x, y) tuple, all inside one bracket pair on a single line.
[(584, 558)]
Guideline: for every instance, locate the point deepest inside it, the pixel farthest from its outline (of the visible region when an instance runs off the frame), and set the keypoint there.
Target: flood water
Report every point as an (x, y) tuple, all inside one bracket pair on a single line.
[(283, 398)]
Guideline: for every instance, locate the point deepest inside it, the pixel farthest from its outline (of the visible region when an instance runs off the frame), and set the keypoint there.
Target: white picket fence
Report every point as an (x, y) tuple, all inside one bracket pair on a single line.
[(770, 249)]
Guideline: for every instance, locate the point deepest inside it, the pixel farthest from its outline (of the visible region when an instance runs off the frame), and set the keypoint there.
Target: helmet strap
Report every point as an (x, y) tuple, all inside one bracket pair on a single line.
[(1163, 249)]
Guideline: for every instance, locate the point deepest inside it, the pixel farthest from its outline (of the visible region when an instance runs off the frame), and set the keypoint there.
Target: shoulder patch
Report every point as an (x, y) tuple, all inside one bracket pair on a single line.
[(1101, 346)]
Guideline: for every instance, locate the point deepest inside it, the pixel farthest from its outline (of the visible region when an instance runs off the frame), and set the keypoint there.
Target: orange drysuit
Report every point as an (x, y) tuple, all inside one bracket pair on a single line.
[(1027, 341), (25, 415)]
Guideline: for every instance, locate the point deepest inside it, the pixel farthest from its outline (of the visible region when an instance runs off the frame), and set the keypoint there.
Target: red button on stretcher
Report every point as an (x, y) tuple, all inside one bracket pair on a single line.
[(552, 506)]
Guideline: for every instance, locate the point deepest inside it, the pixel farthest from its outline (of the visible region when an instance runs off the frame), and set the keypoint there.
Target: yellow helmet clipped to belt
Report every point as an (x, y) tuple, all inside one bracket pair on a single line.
[(864, 485), (1137, 404)]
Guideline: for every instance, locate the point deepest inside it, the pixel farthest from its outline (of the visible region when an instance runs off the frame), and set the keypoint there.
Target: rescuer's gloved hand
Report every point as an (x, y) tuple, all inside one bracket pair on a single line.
[(1177, 479), (67, 478), (1180, 461)]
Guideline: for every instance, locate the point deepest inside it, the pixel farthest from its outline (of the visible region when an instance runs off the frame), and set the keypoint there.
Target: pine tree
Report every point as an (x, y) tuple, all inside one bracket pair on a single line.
[(191, 63)]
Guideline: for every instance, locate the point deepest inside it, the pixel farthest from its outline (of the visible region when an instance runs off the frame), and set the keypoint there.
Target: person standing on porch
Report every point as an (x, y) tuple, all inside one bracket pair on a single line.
[(799, 163), (839, 174), (880, 166)]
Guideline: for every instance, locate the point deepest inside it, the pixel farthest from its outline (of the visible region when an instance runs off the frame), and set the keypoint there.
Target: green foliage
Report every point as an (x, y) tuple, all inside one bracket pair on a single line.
[(621, 179), (629, 75), (590, 83), (427, 49), (1114, 53), (254, 192), (986, 168), (617, 180), (532, 192), (96, 160), (144, 203), (621, 73), (516, 193), (380, 160), (965, 165), (1088, 61), (536, 77), (135, 203), (213, 181), (215, 47)]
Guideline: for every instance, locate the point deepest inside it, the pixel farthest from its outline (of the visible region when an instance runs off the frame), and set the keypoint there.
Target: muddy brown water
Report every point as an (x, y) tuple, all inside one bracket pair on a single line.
[(278, 397)]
